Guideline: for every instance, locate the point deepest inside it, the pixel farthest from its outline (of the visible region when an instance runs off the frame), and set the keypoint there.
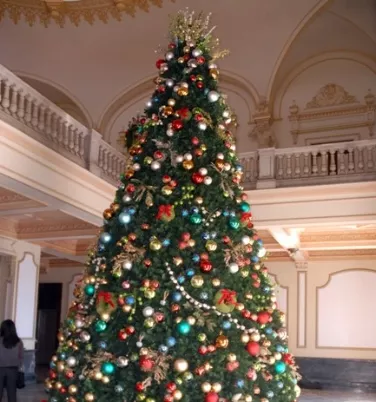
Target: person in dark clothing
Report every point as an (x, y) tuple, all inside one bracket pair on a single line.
[(11, 359)]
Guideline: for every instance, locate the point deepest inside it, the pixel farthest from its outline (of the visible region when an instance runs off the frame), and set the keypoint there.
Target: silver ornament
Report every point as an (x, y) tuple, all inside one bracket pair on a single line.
[(170, 132), (203, 171), (148, 311), (208, 180), (85, 336), (213, 96), (192, 63), (155, 165), (122, 361), (233, 267), (202, 125), (71, 361), (169, 56), (136, 167), (196, 52), (169, 82), (127, 265), (188, 157)]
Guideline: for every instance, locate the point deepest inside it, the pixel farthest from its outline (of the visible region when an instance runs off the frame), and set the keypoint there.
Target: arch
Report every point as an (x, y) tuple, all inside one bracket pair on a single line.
[(63, 90), (357, 57), (145, 87), (341, 271), (308, 18)]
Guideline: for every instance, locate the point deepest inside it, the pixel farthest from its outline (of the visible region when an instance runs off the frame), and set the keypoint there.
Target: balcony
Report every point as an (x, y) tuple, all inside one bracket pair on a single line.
[(25, 109)]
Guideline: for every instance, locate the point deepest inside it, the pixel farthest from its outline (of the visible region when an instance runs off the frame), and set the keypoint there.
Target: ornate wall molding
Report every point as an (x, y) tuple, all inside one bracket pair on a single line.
[(60, 11), (261, 126)]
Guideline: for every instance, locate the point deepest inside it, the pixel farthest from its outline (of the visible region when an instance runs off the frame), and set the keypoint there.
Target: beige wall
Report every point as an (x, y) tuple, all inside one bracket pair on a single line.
[(330, 307)]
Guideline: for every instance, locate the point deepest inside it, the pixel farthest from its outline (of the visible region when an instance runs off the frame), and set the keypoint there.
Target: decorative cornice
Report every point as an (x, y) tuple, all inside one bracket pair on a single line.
[(59, 11), (331, 95), (11, 197)]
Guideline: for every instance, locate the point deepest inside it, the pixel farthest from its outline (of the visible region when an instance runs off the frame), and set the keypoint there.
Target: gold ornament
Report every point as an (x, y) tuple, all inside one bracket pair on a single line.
[(216, 282), (98, 375), (58, 385), (199, 200), (219, 163), (214, 73), (89, 397), (149, 322), (211, 245), (126, 308), (155, 245), (105, 379), (206, 387), (60, 366), (191, 242), (191, 320), (217, 387), (180, 365), (166, 190), (107, 214), (244, 338), (255, 336), (105, 317), (178, 395), (222, 342), (188, 164), (115, 207), (72, 389), (197, 281), (149, 293), (231, 357), (240, 306), (244, 273), (248, 398), (183, 91)]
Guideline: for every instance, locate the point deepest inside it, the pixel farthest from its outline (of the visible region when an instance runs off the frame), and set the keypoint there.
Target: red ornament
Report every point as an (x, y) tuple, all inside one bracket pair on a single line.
[(200, 59), (182, 245), (154, 284), (256, 284), (122, 335), (197, 178), (199, 152), (173, 183), (263, 317), (253, 348), (146, 364), (130, 330), (159, 317), (226, 239), (166, 179), (184, 113), (206, 266), (199, 117), (63, 390), (147, 263), (288, 358), (204, 256), (185, 236), (168, 398), (193, 78), (175, 308), (139, 387), (161, 89), (211, 348), (171, 387), (171, 45), (130, 188), (159, 64), (211, 397), (246, 314), (158, 155), (199, 84), (177, 124), (166, 213), (232, 366), (195, 141), (202, 350)]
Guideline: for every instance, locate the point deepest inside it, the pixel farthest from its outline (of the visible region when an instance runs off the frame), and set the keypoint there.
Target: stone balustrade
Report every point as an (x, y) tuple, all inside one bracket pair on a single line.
[(27, 110)]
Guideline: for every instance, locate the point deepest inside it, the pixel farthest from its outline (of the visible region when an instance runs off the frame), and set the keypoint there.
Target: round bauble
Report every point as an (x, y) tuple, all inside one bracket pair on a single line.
[(280, 367), (184, 328), (148, 311), (253, 348), (213, 96), (211, 397), (180, 365)]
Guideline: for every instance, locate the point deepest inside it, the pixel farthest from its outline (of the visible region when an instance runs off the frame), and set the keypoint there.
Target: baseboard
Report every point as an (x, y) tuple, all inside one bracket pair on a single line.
[(337, 373)]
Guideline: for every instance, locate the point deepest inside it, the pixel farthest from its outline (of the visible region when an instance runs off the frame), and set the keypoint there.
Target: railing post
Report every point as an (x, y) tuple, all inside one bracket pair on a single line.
[(94, 139), (266, 170)]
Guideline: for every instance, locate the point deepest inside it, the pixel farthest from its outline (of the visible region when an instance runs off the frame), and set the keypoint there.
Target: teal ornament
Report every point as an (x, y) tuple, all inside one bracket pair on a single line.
[(196, 219), (184, 328), (108, 368), (280, 367), (245, 207), (89, 290), (234, 223), (100, 326)]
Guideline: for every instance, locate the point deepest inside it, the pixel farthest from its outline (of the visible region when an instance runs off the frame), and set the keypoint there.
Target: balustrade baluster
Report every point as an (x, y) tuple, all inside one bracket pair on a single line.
[(332, 166), (42, 116), (360, 163), (28, 109), (297, 169), (48, 122), (105, 161), (21, 104), (324, 163), (81, 145), (54, 127), (5, 103), (70, 139), (341, 161), (76, 141), (34, 116), (13, 99), (315, 168), (370, 163), (280, 166), (306, 164), (288, 166), (100, 157), (351, 161)]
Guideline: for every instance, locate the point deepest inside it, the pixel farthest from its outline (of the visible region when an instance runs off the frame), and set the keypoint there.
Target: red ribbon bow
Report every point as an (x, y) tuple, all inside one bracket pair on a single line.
[(106, 298), (164, 210), (227, 297)]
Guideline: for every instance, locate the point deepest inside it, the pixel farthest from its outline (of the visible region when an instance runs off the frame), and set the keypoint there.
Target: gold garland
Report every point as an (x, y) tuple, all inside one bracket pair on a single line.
[(58, 11)]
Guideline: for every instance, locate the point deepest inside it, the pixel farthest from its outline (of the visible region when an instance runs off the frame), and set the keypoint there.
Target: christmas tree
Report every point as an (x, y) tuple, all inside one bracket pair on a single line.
[(175, 303)]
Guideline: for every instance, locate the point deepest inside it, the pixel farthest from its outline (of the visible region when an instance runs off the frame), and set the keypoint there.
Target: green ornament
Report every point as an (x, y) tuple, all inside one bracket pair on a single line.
[(245, 207), (89, 290), (280, 367), (196, 219), (108, 368), (234, 223), (184, 328), (201, 337), (100, 326), (225, 301)]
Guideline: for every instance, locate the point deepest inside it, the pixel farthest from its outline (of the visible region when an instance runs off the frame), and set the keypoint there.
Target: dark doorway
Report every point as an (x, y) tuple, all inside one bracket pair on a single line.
[(48, 322)]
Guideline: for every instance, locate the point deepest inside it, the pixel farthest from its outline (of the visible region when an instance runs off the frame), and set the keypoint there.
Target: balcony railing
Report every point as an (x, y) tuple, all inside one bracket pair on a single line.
[(26, 109)]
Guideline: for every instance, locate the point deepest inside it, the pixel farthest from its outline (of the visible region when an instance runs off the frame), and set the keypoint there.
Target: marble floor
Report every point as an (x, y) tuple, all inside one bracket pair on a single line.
[(34, 393)]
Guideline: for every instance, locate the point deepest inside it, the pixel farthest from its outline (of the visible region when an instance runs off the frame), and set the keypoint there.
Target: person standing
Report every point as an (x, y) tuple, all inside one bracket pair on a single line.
[(11, 359)]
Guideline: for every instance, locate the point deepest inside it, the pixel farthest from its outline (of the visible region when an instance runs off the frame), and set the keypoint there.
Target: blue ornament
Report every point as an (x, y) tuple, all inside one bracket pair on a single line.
[(225, 213), (132, 210), (100, 326), (232, 213), (196, 219), (89, 290), (226, 325), (206, 91), (254, 258), (245, 207), (124, 218), (181, 279), (268, 330), (52, 365), (166, 242), (176, 296), (204, 296), (63, 356), (270, 394), (240, 383), (195, 258), (184, 328), (234, 223), (294, 381), (205, 236), (101, 247), (239, 168), (155, 99), (184, 212), (280, 367), (163, 348), (130, 300), (190, 272), (280, 384), (102, 345), (195, 210), (213, 235), (266, 289), (108, 368), (279, 348), (119, 389), (105, 237), (171, 341)]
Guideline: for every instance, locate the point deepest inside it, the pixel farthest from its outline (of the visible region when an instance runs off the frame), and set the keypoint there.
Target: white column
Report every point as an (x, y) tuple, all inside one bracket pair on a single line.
[(22, 292)]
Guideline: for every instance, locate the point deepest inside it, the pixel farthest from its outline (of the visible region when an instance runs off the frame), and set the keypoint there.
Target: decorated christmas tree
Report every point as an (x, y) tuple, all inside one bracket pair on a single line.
[(176, 303)]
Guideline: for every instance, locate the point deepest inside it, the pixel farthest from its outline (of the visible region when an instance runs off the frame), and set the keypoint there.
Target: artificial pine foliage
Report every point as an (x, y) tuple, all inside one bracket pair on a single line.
[(176, 303)]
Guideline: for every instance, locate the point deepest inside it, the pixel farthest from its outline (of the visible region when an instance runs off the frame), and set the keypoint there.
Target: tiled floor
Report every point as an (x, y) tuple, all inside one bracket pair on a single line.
[(36, 394)]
